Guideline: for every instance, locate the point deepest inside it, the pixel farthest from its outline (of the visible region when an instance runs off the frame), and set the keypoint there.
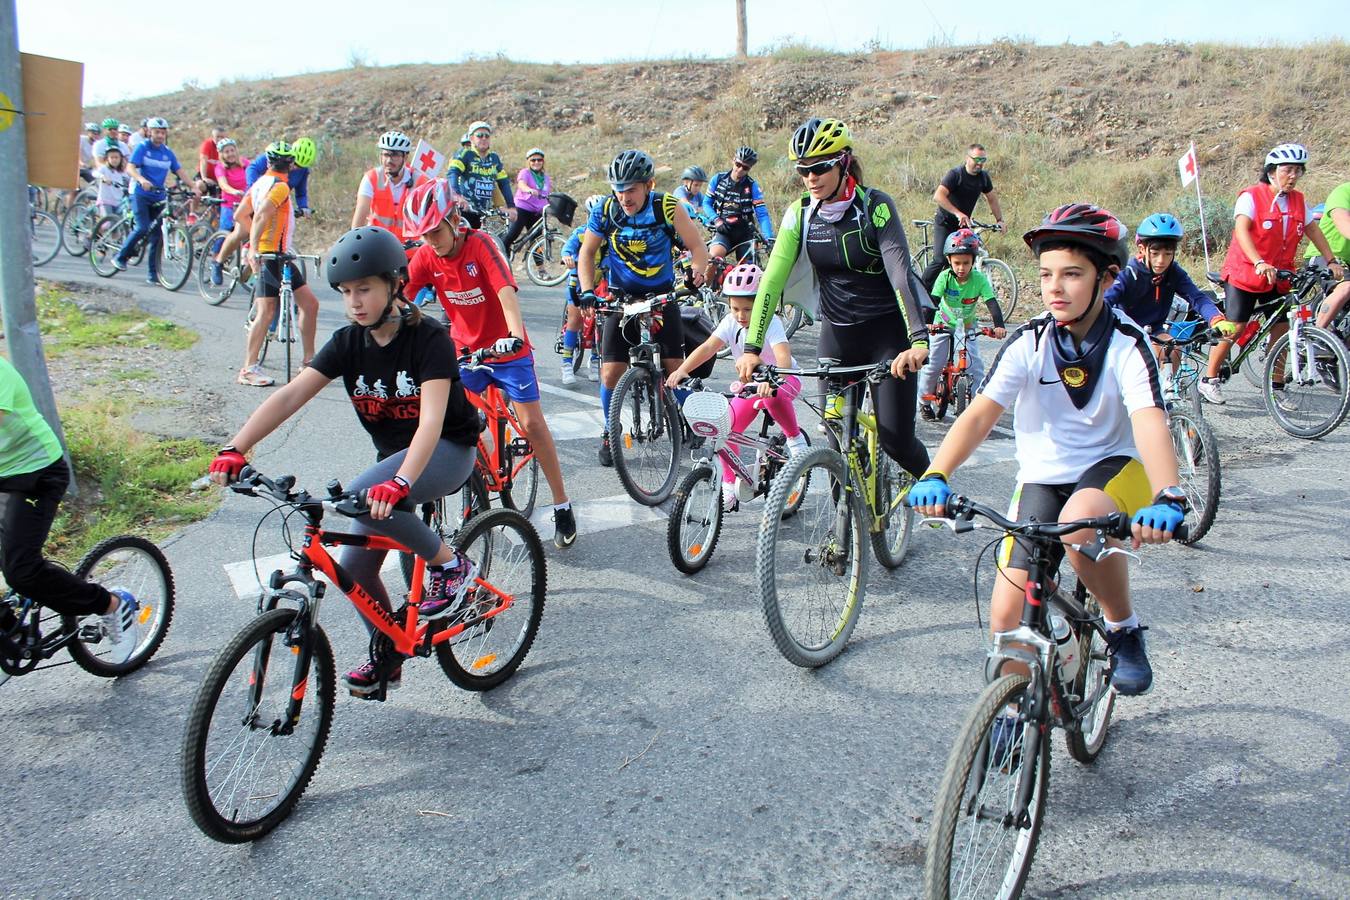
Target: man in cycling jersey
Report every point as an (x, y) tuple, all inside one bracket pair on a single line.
[(149, 166), (472, 280), (733, 197), (476, 173), (379, 199), (635, 228), (956, 197)]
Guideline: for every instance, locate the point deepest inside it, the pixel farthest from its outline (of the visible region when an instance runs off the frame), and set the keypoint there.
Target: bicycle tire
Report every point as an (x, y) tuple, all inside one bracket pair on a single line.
[(796, 495), (891, 544), (471, 659), (175, 258), (797, 540), (1003, 280), (463, 505), (248, 322), (523, 489), (106, 241), (1198, 465), (154, 588), (953, 809), (1331, 370), (45, 232), (943, 390), (652, 422), (216, 294), (1094, 672), (258, 639), (286, 328), (792, 319), (77, 227), (960, 395), (695, 521), (543, 260)]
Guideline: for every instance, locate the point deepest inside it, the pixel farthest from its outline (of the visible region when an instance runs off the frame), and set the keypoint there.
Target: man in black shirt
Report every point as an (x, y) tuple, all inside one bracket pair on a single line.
[(956, 196)]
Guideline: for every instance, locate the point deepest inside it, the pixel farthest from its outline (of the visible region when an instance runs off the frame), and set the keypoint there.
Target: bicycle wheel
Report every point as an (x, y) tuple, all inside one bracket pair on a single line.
[(1254, 366), (1004, 282), (175, 258), (1094, 678), (644, 435), (244, 763), (793, 318), (919, 261), (796, 494), (77, 227), (45, 231), (216, 294), (1316, 383), (812, 567), (960, 394), (891, 543), (1198, 464), (109, 235), (543, 260), (447, 515), (979, 845), (512, 578), (286, 328), (519, 457), (137, 566), (943, 390), (695, 520)]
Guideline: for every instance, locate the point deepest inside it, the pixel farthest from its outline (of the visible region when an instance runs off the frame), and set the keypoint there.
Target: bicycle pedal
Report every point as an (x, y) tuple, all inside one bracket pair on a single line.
[(378, 694), (90, 634)]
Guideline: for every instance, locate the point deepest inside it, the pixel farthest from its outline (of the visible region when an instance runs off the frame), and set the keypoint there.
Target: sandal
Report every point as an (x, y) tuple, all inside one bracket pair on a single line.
[(254, 377)]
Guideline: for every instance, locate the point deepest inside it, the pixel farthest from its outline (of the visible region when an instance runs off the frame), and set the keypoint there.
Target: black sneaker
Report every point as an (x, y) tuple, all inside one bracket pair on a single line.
[(927, 413), (606, 456), (564, 527), (1131, 675)]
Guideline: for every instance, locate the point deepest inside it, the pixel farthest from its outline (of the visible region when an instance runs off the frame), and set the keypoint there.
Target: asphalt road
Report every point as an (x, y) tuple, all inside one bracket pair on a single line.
[(656, 744)]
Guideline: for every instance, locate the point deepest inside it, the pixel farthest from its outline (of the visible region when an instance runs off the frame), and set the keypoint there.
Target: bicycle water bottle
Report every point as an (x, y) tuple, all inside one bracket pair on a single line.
[(1248, 333), (1066, 646)]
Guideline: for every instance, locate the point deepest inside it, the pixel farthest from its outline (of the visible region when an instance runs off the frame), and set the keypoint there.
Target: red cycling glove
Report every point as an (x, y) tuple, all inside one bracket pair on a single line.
[(229, 461), (391, 491)]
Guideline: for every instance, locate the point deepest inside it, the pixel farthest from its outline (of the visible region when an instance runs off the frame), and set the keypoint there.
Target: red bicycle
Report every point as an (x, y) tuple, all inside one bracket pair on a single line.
[(506, 462), (954, 385)]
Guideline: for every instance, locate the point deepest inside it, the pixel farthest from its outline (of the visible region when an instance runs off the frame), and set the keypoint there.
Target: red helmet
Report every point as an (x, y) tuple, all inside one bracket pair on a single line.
[(963, 240), (1083, 223), (742, 281), (427, 206)]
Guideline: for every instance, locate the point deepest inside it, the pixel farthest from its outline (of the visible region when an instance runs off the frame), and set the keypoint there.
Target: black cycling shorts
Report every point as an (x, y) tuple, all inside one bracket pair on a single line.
[(734, 236), (1240, 305), (615, 343), (270, 286)]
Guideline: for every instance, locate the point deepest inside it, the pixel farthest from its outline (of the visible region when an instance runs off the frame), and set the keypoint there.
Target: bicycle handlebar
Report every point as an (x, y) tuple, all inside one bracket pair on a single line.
[(253, 483), (961, 510)]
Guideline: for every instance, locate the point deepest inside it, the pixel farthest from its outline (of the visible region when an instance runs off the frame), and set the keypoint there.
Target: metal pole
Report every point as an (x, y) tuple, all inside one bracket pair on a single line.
[(17, 303), (1200, 202)]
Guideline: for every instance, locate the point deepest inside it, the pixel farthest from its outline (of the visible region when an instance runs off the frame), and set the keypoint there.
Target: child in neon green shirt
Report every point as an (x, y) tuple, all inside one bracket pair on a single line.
[(956, 291)]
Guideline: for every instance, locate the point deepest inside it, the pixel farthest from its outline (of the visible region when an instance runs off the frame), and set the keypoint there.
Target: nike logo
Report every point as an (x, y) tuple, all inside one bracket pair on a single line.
[(1056, 381)]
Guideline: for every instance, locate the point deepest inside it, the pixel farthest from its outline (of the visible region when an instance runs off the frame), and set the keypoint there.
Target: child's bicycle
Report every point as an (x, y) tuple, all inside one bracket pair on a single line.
[(259, 722), (987, 817), (1001, 276), (812, 568), (506, 463), (954, 387), (695, 521), (31, 634)]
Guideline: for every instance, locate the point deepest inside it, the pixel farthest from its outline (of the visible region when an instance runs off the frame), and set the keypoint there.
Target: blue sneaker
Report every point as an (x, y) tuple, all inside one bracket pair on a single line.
[(1005, 743), (217, 274), (119, 626), (1131, 674)]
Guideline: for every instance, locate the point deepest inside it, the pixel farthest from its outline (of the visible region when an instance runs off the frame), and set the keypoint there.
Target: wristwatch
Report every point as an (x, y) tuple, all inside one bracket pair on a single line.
[(1173, 494)]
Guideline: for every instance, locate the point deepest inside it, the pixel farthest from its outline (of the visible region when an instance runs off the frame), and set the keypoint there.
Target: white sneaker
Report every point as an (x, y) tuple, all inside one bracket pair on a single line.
[(593, 370), (119, 626), (797, 445), (730, 501), (568, 376), (1211, 392)]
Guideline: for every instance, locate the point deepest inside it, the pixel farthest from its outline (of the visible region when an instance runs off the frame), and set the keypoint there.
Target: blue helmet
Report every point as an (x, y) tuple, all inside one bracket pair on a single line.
[(1159, 227)]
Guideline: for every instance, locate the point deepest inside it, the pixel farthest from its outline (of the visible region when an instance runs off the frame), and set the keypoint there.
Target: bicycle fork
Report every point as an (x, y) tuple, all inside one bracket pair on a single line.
[(298, 638)]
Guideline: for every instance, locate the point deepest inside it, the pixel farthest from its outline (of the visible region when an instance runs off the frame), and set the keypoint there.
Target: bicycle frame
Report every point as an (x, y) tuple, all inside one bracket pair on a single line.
[(844, 408), (499, 469)]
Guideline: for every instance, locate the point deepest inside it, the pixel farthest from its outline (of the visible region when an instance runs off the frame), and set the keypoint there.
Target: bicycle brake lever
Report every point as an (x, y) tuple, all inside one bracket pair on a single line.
[(958, 526), (1097, 550)]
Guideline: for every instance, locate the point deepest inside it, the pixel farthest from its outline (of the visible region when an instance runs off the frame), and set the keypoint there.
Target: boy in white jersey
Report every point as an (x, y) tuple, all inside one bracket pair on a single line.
[(1090, 423)]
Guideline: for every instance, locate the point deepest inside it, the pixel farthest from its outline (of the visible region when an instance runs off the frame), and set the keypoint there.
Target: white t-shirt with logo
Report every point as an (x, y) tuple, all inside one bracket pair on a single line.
[(733, 335)]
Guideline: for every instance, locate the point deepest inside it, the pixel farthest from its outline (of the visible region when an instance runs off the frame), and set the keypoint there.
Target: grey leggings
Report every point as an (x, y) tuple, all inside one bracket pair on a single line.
[(449, 467)]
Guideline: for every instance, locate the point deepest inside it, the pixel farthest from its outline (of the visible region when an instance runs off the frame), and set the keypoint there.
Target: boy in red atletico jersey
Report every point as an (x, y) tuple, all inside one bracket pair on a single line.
[(473, 282)]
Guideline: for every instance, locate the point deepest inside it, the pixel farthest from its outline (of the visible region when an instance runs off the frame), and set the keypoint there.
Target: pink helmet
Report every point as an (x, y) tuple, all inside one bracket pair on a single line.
[(427, 206), (742, 281)]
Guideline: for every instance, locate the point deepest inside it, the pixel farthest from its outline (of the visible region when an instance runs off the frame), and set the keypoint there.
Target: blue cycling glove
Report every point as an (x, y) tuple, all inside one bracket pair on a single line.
[(1165, 515), (930, 490)]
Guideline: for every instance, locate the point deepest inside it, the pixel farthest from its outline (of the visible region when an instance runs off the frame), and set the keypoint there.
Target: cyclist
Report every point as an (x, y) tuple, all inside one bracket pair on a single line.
[(740, 287), (571, 337), (232, 177), (424, 434), (305, 152), (1270, 218), (149, 167), (1335, 226), (957, 289), (33, 479), (125, 135), (112, 179), (733, 197), (472, 281), (110, 131), (691, 192), (635, 229), (208, 157), (379, 199), (479, 178), (533, 187), (1090, 424), (842, 251), (956, 197), (270, 231), (141, 136), (93, 133)]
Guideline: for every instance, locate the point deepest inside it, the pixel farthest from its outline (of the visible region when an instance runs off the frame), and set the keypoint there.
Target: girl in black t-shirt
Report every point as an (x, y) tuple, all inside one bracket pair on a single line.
[(401, 375)]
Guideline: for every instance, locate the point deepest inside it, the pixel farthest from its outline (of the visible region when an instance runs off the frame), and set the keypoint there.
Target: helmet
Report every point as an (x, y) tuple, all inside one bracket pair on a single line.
[(1082, 223), (465, 139), (534, 151), (480, 125), (747, 156), (156, 122), (742, 281), (593, 201), (92, 126), (694, 173), (963, 240), (124, 128), (111, 146), (145, 123), (630, 167), (368, 250), (428, 205), (1159, 227), (396, 141), (277, 151), (110, 124), (819, 137), (305, 152), (225, 142), (1287, 154)]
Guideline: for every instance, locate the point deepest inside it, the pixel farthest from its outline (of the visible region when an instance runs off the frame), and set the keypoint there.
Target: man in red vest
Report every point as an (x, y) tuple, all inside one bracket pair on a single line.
[(379, 200)]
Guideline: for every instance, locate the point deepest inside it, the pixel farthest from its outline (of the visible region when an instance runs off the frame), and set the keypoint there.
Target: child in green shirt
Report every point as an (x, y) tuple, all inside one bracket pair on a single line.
[(956, 291)]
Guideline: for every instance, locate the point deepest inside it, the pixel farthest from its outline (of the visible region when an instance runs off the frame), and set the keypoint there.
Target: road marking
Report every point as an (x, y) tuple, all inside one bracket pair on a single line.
[(571, 426), (244, 578), (1006, 432), (547, 388)]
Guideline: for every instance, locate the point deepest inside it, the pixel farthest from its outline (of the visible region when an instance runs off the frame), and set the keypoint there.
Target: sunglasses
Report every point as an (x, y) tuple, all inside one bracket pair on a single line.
[(482, 134), (742, 166), (819, 168), (535, 159), (979, 159)]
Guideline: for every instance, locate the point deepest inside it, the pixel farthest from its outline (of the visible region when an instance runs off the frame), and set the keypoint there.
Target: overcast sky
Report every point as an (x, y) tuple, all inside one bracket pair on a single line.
[(155, 49)]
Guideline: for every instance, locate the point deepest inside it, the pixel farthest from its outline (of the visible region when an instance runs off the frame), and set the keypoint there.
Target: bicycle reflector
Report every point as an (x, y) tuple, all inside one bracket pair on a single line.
[(709, 416)]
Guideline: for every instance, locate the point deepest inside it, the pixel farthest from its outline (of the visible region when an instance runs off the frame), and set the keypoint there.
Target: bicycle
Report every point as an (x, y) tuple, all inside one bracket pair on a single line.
[(176, 255), (542, 244), (801, 567), (78, 222), (990, 806), (1198, 465), (34, 635), (506, 463), (232, 272), (283, 327), (259, 722), (44, 233), (643, 420), (588, 337), (695, 521), (1001, 275), (954, 386)]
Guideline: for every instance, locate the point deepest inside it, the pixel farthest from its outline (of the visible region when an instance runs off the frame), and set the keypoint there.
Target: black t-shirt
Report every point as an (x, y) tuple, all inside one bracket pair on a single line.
[(384, 383), (963, 190), (850, 271)]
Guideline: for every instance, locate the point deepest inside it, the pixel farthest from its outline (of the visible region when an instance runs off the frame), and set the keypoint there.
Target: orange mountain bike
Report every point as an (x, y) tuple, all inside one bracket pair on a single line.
[(261, 718), (506, 462)]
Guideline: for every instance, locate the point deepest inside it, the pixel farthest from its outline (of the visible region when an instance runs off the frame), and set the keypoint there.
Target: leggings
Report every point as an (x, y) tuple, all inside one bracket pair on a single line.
[(880, 340), (449, 467), (779, 407), (525, 219)]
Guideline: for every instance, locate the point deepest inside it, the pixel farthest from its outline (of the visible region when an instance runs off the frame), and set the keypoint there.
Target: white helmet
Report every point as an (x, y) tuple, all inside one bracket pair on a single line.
[(534, 151), (156, 122), (465, 139), (396, 141), (124, 128), (1287, 155), (593, 201), (92, 126), (480, 125)]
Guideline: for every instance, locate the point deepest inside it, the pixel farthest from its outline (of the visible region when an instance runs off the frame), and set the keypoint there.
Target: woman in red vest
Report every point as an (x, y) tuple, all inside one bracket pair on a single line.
[(1270, 218)]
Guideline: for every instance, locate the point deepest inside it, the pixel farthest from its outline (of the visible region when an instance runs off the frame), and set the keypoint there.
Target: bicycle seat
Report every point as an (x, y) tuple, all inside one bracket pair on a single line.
[(922, 223)]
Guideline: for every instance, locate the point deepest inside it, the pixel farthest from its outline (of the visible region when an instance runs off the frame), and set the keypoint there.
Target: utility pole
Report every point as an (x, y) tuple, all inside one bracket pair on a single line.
[(17, 303), (740, 29)]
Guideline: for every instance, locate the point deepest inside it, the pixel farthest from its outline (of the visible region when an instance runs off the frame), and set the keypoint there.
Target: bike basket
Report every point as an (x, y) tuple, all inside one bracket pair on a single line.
[(709, 416), (562, 207), (1183, 331)]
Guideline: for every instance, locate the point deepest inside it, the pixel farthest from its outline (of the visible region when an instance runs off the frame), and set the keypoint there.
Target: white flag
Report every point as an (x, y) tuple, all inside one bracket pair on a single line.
[(1188, 167), (427, 160)]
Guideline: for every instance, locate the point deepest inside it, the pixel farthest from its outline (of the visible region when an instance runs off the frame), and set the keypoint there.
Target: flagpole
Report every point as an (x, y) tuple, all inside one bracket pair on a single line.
[(1200, 201)]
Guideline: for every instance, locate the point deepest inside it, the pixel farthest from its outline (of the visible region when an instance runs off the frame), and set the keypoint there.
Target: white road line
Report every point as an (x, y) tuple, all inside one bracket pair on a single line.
[(583, 423), (1006, 432), (579, 397)]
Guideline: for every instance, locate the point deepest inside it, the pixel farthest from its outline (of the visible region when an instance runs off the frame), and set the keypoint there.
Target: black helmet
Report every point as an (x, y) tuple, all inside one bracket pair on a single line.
[(630, 167), (364, 251), (694, 173), (1083, 223), (747, 155)]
